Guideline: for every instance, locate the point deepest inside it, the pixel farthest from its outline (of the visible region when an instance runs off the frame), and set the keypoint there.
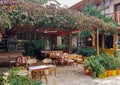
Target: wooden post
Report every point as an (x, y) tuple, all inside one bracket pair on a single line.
[(0, 36), (70, 42), (115, 41), (97, 42)]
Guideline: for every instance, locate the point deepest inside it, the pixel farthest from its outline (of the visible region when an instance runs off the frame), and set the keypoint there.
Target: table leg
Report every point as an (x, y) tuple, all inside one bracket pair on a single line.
[(45, 76)]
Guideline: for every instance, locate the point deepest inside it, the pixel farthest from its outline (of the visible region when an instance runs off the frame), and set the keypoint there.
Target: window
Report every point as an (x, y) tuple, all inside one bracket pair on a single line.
[(80, 42), (108, 40), (118, 40), (117, 7), (86, 42), (106, 3), (100, 40)]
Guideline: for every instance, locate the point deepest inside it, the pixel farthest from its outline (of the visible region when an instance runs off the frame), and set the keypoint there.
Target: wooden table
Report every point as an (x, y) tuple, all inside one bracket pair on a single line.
[(35, 70)]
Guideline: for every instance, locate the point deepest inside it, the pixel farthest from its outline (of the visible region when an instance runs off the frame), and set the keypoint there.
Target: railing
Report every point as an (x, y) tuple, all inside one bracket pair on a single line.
[(117, 17)]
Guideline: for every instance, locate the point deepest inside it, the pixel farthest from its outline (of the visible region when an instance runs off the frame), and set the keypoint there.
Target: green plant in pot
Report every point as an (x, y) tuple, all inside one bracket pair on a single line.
[(94, 66), (118, 67), (110, 64), (101, 72), (114, 66)]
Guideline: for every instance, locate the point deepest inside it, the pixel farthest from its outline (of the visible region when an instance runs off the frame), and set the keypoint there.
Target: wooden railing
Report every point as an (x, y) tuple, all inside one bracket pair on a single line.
[(117, 17)]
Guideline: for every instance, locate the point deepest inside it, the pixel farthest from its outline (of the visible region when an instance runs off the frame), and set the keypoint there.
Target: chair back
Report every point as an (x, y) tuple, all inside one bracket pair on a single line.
[(31, 62), (79, 56), (70, 57), (47, 61)]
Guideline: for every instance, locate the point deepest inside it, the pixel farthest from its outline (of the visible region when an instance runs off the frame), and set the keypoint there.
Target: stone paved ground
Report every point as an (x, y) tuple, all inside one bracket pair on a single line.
[(68, 76), (74, 76)]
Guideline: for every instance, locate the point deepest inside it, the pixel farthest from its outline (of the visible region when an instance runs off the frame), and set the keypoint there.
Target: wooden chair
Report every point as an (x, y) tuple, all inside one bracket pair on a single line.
[(48, 62), (79, 59), (70, 60)]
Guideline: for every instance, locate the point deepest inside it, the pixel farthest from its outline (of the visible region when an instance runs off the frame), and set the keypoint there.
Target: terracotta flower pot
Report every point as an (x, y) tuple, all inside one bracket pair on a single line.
[(108, 73), (87, 71), (113, 73), (118, 72)]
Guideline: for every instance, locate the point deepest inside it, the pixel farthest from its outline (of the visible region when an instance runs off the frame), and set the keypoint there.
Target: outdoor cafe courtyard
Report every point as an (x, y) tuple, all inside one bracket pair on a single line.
[(51, 45)]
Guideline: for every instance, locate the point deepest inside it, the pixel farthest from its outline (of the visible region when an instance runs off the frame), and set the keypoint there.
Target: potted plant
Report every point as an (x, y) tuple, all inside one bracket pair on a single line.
[(94, 66), (102, 72), (114, 66), (106, 61), (118, 67)]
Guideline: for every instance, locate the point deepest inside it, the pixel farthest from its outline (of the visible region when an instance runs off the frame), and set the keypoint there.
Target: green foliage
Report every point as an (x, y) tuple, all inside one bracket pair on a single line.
[(108, 32), (94, 65), (29, 48), (32, 46), (101, 63), (61, 47), (117, 53), (74, 49), (1, 79), (109, 61), (85, 33), (14, 79), (86, 51), (41, 2), (92, 10)]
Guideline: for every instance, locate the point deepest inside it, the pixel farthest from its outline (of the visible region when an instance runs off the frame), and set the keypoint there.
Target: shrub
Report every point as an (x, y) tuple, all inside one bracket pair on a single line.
[(33, 46), (74, 49), (61, 47), (109, 61), (117, 53), (1, 79), (87, 51)]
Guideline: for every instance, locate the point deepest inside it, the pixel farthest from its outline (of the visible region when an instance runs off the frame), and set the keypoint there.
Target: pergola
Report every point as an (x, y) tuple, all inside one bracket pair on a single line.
[(51, 17)]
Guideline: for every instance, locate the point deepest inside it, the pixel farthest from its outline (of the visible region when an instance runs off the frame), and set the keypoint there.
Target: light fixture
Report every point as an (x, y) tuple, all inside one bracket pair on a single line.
[(89, 39)]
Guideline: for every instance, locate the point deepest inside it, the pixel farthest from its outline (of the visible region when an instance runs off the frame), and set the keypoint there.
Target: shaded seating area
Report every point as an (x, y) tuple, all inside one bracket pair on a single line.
[(41, 69)]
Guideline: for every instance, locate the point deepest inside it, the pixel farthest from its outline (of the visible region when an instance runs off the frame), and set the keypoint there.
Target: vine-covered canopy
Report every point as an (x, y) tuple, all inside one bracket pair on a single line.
[(52, 17)]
